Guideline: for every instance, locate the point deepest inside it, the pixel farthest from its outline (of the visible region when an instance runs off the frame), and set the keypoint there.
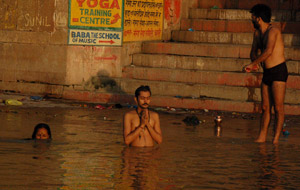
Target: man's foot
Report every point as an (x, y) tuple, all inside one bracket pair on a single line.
[(262, 137), (275, 140), (260, 140)]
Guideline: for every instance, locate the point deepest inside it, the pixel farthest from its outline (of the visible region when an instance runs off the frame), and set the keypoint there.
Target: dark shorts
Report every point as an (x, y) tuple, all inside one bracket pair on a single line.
[(277, 73)]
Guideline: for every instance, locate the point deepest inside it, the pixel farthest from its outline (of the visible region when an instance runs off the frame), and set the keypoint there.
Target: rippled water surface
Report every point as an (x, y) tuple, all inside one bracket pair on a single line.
[(87, 152)]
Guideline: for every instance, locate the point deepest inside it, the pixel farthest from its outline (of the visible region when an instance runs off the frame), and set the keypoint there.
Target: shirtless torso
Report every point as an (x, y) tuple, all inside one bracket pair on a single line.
[(268, 49), (270, 43), (133, 123), (141, 126)]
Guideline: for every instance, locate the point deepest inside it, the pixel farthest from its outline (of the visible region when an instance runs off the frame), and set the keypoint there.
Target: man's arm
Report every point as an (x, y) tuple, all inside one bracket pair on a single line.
[(254, 48), (155, 130), (265, 54), (130, 136)]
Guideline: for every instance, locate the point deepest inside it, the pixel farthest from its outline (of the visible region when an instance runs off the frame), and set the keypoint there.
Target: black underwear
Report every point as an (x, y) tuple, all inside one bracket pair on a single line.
[(277, 73)]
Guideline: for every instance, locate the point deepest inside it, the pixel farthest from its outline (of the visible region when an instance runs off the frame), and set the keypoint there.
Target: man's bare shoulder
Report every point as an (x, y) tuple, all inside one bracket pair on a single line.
[(275, 30), (130, 114), (154, 114)]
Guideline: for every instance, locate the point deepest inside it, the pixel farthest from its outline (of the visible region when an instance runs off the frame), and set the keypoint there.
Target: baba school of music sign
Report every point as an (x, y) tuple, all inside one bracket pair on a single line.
[(100, 22), (95, 22)]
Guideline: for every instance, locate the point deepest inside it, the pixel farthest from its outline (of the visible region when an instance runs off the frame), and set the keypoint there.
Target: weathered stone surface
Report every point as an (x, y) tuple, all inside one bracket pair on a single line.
[(236, 14), (83, 63), (33, 88), (226, 37), (210, 50), (226, 14), (165, 101), (35, 58), (199, 63), (59, 37), (9, 36), (61, 14), (196, 91), (242, 4), (202, 77), (27, 64), (233, 25), (128, 50), (36, 15), (8, 14)]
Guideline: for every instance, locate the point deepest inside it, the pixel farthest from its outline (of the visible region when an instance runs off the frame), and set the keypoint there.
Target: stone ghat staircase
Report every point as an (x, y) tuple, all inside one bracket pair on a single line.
[(202, 68)]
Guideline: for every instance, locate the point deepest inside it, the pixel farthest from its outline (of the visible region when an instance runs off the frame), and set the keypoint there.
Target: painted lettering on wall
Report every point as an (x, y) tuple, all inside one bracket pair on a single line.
[(95, 13), (36, 20), (143, 20), (94, 37), (61, 19), (36, 15)]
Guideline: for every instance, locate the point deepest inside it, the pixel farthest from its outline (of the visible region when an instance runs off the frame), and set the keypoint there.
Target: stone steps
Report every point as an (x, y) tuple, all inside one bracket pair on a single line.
[(210, 50), (233, 25), (168, 101), (199, 63), (202, 68), (201, 77), (129, 85), (226, 37), (240, 14), (203, 91), (242, 4)]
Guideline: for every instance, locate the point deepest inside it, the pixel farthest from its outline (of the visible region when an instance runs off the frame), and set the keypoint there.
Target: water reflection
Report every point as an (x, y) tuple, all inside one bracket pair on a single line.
[(40, 149), (218, 130), (270, 177), (140, 167), (88, 152)]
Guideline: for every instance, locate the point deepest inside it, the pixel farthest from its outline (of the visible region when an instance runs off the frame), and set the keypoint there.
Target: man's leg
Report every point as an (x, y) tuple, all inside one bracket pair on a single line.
[(266, 113), (278, 91)]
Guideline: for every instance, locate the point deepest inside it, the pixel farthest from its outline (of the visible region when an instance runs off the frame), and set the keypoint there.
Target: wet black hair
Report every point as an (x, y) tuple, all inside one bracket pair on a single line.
[(40, 126), (142, 88), (263, 11)]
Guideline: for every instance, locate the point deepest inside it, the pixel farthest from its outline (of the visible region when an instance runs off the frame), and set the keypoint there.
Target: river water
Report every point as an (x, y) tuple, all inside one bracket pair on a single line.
[(87, 152)]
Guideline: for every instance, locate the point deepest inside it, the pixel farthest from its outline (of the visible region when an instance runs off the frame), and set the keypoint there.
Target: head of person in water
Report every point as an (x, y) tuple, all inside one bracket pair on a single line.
[(260, 13), (41, 131), (142, 96)]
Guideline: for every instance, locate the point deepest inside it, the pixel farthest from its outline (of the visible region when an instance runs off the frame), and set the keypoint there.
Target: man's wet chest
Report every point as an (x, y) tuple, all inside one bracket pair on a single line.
[(135, 122)]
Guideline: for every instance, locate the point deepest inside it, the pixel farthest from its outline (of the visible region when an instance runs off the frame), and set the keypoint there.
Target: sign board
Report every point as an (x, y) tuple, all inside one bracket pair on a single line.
[(95, 37), (96, 14), (143, 20)]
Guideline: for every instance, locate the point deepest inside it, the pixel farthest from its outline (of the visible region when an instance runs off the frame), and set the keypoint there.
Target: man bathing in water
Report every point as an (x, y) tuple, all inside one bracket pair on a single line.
[(268, 41), (141, 126)]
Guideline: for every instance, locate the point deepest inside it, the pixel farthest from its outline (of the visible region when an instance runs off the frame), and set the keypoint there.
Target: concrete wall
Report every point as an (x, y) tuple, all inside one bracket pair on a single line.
[(35, 56), (33, 36)]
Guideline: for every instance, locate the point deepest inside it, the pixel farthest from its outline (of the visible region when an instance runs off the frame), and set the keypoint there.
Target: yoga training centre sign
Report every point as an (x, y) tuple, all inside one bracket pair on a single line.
[(110, 22), (95, 22)]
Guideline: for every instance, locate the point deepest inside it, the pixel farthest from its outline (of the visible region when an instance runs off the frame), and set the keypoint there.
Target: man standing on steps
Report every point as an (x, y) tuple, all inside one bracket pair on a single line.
[(268, 41), (141, 126)]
